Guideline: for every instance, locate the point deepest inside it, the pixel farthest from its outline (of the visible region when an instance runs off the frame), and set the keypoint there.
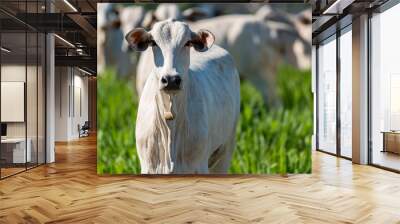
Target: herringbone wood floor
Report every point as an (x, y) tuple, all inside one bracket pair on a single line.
[(69, 191)]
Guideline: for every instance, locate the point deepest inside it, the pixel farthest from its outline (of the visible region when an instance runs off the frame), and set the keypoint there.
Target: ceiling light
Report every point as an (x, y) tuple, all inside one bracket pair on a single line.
[(337, 7), (5, 50), (84, 71), (70, 5), (65, 41)]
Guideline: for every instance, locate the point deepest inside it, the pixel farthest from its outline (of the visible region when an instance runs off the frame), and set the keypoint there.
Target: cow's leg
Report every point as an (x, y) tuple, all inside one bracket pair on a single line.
[(220, 160)]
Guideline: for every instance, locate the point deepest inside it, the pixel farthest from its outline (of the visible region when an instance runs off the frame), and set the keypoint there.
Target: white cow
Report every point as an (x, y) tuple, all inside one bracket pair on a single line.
[(116, 51), (114, 23), (190, 104), (257, 44)]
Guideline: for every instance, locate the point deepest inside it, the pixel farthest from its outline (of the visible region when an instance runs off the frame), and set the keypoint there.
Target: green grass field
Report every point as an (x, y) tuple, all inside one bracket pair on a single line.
[(269, 140)]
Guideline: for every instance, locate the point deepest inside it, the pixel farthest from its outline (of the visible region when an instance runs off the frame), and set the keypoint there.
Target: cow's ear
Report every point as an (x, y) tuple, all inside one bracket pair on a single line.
[(202, 40), (138, 39), (305, 19)]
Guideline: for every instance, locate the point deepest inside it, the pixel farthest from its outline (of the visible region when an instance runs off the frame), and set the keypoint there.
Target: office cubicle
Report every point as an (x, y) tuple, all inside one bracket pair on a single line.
[(22, 89)]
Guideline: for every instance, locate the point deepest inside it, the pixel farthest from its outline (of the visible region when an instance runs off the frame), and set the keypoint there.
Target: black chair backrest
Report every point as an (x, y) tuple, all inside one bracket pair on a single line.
[(86, 125)]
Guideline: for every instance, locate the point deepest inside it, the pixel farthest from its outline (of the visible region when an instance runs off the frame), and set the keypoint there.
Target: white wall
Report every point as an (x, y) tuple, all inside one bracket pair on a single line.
[(62, 81), (80, 84), (70, 83)]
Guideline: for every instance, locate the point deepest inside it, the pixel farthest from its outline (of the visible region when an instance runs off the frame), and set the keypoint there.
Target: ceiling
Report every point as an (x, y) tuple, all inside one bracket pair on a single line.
[(330, 15), (74, 22)]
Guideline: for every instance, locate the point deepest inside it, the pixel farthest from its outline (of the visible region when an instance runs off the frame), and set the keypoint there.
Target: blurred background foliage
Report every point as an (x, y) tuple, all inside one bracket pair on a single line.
[(290, 7), (269, 140)]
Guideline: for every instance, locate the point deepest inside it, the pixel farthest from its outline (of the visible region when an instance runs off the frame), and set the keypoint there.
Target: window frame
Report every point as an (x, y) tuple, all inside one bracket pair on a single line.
[(338, 33)]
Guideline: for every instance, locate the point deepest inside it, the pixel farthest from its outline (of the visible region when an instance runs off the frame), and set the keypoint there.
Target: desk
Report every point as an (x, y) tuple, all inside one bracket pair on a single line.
[(13, 150), (391, 141)]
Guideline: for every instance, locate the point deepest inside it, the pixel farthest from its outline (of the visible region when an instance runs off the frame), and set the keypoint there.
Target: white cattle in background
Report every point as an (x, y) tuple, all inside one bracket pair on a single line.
[(163, 11), (107, 33), (258, 44), (302, 23), (111, 25), (190, 104), (114, 22), (167, 10), (130, 17)]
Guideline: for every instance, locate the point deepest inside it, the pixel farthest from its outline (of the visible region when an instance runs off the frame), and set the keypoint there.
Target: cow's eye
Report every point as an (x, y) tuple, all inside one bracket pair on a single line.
[(188, 44)]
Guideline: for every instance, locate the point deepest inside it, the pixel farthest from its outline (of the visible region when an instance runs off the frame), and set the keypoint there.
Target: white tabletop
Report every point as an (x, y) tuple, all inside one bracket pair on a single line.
[(13, 140)]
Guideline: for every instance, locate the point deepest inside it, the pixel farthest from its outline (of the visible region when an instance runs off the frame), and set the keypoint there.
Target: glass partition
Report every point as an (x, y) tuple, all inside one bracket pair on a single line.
[(327, 95), (41, 91), (22, 77), (14, 151), (346, 92), (385, 89), (34, 69), (32, 95)]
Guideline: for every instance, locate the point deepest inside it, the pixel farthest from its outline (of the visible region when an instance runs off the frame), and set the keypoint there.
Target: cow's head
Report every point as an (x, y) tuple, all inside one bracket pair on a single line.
[(170, 41)]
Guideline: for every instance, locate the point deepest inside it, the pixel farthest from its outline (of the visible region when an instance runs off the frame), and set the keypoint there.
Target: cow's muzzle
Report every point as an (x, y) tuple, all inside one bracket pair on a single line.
[(170, 82)]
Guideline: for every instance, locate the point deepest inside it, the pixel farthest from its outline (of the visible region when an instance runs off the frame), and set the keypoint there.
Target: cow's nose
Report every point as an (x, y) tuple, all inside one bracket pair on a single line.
[(171, 82)]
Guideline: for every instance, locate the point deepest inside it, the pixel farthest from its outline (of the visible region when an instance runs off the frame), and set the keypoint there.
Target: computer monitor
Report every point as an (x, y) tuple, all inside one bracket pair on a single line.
[(3, 129)]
